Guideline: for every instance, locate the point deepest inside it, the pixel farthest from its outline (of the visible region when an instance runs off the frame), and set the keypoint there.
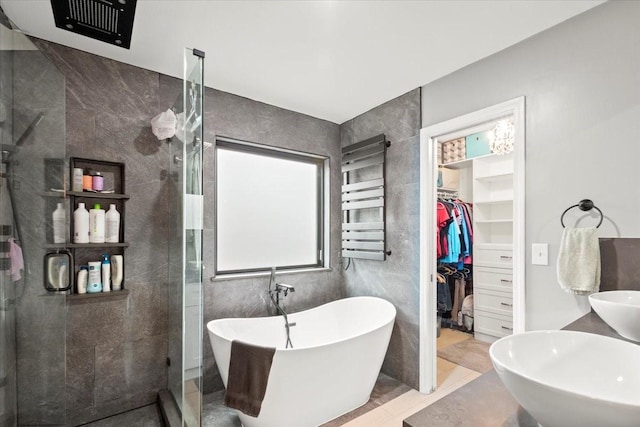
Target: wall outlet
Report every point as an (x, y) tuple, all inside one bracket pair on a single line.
[(540, 254)]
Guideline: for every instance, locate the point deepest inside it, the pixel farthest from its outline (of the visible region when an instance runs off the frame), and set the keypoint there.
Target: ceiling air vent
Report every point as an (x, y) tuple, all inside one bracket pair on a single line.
[(104, 20)]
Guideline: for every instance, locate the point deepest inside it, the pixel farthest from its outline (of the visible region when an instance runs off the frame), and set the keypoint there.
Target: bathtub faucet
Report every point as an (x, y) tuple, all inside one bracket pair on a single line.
[(275, 289)]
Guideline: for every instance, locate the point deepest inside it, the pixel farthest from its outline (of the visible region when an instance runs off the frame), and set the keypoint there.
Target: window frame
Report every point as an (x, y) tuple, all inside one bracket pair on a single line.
[(323, 201)]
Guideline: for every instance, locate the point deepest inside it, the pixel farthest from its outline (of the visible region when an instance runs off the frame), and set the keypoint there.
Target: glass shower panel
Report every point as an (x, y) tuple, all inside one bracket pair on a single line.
[(185, 253), (32, 181)]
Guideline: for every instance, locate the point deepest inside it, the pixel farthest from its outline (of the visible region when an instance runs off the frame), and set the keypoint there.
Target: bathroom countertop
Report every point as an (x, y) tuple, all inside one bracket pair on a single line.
[(485, 402)]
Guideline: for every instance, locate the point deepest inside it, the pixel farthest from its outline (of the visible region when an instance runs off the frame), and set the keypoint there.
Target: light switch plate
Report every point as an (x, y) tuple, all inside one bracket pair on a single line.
[(540, 254)]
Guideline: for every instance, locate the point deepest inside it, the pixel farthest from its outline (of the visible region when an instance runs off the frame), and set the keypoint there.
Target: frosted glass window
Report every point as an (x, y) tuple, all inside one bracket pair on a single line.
[(269, 209)]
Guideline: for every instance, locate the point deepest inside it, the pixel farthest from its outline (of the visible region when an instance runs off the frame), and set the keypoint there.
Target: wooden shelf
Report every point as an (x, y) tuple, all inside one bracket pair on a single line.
[(85, 245), (100, 296)]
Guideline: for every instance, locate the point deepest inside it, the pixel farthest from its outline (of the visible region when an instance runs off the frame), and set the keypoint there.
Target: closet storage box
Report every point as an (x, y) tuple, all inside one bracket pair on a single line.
[(453, 151), (477, 144)]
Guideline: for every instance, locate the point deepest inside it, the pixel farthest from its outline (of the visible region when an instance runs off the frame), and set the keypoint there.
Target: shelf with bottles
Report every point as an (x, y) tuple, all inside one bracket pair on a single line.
[(110, 195), (99, 296), (85, 245), (85, 194)]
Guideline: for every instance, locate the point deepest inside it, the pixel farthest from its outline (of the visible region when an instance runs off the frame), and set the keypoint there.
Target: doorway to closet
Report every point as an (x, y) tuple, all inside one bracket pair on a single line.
[(471, 229)]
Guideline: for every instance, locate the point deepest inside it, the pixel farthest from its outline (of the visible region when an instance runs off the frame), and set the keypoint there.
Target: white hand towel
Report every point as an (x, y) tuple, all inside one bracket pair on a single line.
[(579, 261)]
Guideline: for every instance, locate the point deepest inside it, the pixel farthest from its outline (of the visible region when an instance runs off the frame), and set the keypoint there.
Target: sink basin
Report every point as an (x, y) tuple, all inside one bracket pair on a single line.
[(620, 310), (571, 379)]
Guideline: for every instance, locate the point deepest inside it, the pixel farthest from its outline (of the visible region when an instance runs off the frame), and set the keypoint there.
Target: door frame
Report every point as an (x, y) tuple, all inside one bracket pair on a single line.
[(429, 137)]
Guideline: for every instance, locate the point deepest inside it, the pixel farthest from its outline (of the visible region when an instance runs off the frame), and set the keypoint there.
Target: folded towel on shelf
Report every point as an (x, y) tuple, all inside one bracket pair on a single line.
[(249, 368), (579, 261), (17, 261)]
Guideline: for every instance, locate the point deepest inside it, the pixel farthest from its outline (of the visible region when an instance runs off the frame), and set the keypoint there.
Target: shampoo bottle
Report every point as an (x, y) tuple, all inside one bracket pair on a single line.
[(106, 273), (117, 268), (113, 225), (94, 285), (81, 224), (59, 222), (96, 224)]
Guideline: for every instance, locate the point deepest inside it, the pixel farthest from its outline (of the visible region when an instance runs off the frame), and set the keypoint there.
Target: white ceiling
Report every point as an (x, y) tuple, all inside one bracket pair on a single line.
[(329, 59)]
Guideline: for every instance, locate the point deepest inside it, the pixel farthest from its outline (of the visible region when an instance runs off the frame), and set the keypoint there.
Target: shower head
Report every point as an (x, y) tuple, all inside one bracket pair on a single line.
[(30, 129)]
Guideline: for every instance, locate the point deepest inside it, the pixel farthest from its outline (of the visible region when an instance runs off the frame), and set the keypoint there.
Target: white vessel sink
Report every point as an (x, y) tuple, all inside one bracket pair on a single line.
[(571, 379), (620, 310)]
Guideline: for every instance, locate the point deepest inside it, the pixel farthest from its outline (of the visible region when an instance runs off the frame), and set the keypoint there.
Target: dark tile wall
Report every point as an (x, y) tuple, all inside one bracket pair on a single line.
[(397, 278), (620, 268), (40, 317), (116, 350)]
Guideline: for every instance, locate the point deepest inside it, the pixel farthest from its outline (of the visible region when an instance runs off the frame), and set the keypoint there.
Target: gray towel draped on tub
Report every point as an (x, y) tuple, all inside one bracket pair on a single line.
[(249, 368), (579, 261)]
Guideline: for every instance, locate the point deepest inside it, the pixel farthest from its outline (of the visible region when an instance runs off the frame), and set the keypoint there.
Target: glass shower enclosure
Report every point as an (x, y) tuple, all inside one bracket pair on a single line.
[(185, 251), (32, 179)]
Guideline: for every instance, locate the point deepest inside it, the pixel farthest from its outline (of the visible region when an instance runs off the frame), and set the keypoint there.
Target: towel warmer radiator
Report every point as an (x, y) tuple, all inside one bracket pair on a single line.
[(363, 199)]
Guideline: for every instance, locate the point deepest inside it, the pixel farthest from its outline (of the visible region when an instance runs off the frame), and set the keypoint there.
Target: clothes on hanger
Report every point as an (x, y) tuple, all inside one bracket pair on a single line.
[(454, 232)]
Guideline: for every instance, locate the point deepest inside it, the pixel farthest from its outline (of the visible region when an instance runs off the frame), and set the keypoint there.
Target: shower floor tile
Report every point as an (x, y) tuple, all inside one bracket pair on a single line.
[(147, 416)]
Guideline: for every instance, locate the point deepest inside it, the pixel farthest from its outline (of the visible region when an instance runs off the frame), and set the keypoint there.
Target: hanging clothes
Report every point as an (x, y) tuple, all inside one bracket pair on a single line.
[(454, 232)]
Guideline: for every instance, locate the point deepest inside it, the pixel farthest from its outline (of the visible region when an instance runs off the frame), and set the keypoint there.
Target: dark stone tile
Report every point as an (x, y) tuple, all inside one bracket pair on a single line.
[(231, 116), (402, 359), (148, 304), (99, 323), (101, 84), (130, 368), (211, 379), (80, 377), (346, 133), (41, 388), (81, 132), (398, 119), (288, 129), (147, 416), (216, 414), (104, 409), (403, 162)]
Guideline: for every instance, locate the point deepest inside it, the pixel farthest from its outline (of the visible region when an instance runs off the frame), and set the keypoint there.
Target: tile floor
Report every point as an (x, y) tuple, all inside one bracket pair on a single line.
[(391, 401)]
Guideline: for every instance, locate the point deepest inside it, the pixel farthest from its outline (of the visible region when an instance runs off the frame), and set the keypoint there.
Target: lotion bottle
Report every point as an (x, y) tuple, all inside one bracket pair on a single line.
[(81, 224), (117, 268), (113, 225), (96, 224), (83, 279), (59, 222), (94, 285), (106, 273)]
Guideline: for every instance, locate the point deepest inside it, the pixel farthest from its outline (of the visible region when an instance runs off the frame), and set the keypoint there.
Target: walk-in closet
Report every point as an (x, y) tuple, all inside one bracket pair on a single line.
[(474, 232)]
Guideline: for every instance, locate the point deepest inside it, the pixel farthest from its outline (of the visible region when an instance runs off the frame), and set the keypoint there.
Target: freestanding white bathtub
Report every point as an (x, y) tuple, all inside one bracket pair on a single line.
[(338, 349)]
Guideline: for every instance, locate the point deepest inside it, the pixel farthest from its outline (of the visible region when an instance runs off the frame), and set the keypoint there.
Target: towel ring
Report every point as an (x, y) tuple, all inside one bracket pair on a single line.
[(584, 205)]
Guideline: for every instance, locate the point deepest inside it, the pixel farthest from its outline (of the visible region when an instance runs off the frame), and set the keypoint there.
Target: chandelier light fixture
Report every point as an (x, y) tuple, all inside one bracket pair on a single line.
[(502, 137)]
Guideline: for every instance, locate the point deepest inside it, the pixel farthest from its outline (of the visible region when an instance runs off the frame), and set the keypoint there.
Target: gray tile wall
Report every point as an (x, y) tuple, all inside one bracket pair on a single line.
[(40, 317), (115, 357), (395, 279), (116, 350)]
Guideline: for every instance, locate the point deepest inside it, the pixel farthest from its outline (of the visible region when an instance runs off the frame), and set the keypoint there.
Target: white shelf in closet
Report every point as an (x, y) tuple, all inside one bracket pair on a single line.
[(494, 221), (493, 202), (493, 246), (505, 176)]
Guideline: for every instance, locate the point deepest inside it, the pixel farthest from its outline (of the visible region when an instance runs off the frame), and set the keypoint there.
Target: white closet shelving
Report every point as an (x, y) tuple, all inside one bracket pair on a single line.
[(493, 246)]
